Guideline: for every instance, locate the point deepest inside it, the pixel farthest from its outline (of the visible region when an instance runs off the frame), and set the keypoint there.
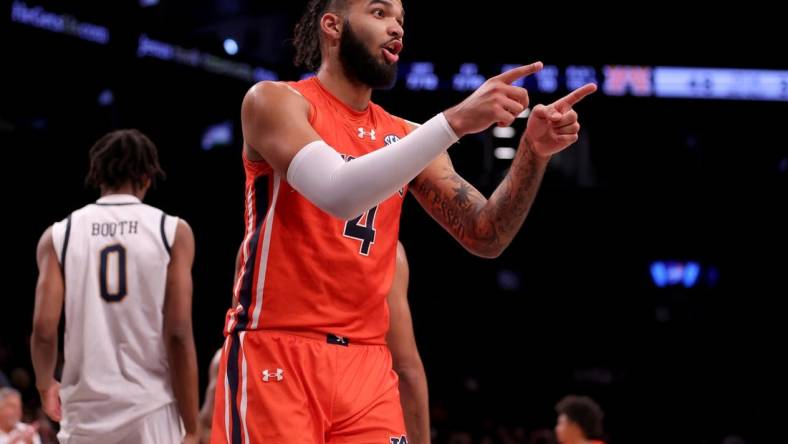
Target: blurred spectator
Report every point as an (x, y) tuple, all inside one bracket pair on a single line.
[(579, 420), (12, 429)]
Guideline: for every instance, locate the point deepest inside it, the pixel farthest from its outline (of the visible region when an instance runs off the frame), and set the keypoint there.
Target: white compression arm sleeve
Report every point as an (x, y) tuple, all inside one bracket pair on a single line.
[(347, 189)]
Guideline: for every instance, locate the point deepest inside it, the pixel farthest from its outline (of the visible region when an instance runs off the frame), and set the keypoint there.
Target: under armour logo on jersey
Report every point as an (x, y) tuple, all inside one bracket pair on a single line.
[(401, 440), (279, 375), (362, 133)]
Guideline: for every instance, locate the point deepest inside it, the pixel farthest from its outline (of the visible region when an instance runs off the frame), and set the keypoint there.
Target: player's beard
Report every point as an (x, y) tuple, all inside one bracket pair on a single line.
[(360, 65)]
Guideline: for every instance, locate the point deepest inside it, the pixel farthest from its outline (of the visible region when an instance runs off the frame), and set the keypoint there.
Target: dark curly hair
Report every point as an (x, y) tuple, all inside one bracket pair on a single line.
[(123, 156), (584, 412)]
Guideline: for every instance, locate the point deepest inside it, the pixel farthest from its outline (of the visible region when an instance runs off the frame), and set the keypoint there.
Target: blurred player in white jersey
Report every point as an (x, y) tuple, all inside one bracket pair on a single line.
[(123, 270)]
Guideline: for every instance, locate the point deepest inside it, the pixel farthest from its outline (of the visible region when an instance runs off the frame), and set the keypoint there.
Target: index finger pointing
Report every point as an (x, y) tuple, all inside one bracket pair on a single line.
[(569, 100), (521, 71)]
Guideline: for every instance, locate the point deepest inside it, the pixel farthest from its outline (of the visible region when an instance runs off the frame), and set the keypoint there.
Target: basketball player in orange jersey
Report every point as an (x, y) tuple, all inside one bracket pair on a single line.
[(405, 357), (305, 359)]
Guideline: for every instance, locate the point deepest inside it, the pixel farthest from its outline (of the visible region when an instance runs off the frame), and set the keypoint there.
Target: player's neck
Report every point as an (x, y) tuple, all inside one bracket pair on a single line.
[(124, 189), (353, 94)]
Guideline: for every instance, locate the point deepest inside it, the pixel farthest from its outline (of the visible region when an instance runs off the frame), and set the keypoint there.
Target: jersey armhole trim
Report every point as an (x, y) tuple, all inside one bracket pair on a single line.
[(65, 244), (163, 234)]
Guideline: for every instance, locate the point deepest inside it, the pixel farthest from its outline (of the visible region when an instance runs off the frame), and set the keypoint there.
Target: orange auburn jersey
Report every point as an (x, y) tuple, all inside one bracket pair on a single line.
[(302, 269)]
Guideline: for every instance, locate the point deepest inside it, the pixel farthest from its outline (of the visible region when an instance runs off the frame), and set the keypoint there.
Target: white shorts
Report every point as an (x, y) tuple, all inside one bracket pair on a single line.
[(162, 426)]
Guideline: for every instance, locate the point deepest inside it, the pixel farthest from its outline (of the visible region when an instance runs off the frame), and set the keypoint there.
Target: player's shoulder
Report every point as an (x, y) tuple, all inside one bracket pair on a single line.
[(272, 92), (45, 242), (184, 227), (149, 211), (75, 217), (83, 210), (183, 236), (166, 217), (268, 102)]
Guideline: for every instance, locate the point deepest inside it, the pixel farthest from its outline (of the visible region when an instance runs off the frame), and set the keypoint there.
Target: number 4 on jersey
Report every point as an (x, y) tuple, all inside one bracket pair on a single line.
[(363, 229)]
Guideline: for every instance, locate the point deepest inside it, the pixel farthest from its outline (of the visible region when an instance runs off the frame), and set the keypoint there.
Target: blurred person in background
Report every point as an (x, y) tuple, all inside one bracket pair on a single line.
[(579, 421), (12, 429)]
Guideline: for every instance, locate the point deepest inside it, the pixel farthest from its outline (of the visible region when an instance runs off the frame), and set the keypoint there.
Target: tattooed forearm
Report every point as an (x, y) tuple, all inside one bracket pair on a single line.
[(452, 210), (483, 226), (456, 205), (511, 201)]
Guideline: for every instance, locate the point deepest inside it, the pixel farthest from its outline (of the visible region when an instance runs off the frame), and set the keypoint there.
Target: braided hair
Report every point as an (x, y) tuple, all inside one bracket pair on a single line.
[(306, 39)]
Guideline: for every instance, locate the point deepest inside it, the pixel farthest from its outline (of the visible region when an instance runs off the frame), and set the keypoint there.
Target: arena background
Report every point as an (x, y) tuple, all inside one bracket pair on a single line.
[(649, 275)]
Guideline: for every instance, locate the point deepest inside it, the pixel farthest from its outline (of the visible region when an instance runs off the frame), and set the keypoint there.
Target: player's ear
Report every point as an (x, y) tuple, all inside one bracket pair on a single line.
[(331, 26)]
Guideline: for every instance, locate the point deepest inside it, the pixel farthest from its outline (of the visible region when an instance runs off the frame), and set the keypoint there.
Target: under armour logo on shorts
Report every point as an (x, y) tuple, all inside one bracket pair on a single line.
[(279, 375), (337, 340)]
